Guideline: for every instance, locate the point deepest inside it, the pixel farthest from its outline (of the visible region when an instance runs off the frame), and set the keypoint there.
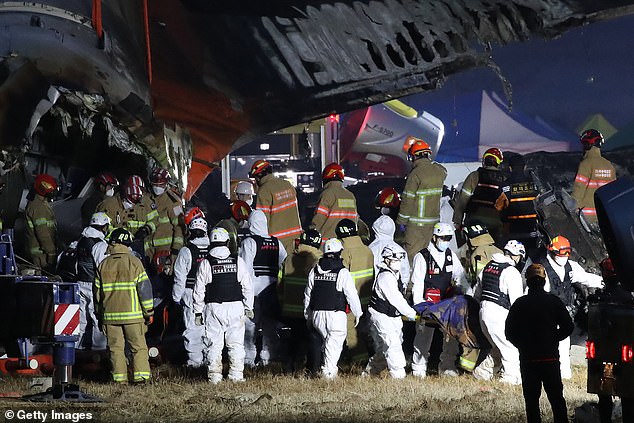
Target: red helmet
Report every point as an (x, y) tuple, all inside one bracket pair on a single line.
[(560, 246), (240, 210), (492, 157), (44, 184), (591, 138), (607, 269), (192, 214), (332, 172), (260, 168), (136, 181), (417, 148), (106, 178), (133, 193), (387, 197), (159, 176)]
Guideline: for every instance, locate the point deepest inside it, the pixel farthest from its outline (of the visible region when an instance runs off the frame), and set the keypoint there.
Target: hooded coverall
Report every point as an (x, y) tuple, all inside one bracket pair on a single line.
[(384, 229), (224, 293), (387, 305), (335, 203), (185, 271), (41, 229), (594, 172), (330, 288), (263, 255)]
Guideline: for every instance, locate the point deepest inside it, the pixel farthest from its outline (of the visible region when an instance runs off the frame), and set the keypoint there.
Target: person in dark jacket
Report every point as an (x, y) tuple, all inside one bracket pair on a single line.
[(535, 324)]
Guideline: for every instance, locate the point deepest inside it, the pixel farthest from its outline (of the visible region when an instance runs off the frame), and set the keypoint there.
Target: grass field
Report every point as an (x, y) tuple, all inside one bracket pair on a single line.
[(265, 397)]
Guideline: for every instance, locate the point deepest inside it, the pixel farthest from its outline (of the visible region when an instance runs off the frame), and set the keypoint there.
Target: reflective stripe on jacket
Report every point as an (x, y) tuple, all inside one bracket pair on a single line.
[(335, 203), (169, 231), (359, 260), (594, 172), (41, 226), (421, 197), (278, 200), (295, 271)]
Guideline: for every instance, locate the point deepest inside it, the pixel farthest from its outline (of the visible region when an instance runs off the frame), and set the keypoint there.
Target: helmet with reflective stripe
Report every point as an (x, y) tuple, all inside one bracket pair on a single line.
[(121, 236), (475, 231), (345, 228), (159, 176), (591, 138), (106, 178), (198, 223), (387, 197), (492, 157), (240, 210), (244, 187), (219, 235), (333, 245), (44, 184), (99, 219), (560, 246), (260, 168), (443, 229), (192, 214), (133, 193), (135, 180), (418, 148), (515, 248), (310, 237), (332, 172)]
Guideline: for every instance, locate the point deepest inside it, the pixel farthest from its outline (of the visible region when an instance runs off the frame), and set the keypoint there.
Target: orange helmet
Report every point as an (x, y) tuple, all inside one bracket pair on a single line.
[(418, 148), (387, 197), (44, 184), (240, 210), (332, 172), (260, 168), (560, 246), (192, 214), (492, 157)]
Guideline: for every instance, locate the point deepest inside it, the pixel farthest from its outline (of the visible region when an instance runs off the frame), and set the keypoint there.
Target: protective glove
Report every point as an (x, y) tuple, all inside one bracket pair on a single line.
[(401, 227), (143, 232), (198, 319), (409, 318), (149, 320), (249, 313), (356, 320)]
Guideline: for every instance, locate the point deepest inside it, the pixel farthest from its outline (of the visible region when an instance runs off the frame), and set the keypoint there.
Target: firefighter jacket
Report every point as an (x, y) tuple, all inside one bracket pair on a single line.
[(594, 172), (443, 264), (481, 190), (421, 197), (335, 203), (295, 271), (41, 227), (330, 285), (122, 290), (384, 229), (359, 260), (232, 227), (142, 214), (169, 230), (206, 276), (387, 294), (278, 200), (187, 264), (499, 282), (520, 216), (475, 254)]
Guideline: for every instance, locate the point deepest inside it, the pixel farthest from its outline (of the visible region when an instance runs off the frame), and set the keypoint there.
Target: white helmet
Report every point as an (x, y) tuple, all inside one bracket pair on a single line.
[(99, 219), (219, 235), (392, 253), (443, 229), (198, 223), (244, 187), (333, 245), (515, 248)]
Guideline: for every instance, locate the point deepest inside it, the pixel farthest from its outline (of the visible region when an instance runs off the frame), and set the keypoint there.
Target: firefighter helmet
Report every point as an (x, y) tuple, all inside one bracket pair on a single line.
[(333, 245), (192, 214), (106, 178), (515, 248), (99, 219), (387, 197), (591, 138), (240, 210), (608, 273), (219, 235), (443, 229), (560, 246), (260, 168), (418, 148), (332, 172), (245, 188), (136, 181), (198, 223), (492, 157), (345, 228), (535, 270), (159, 176), (45, 184), (121, 236), (133, 193), (474, 231), (310, 237)]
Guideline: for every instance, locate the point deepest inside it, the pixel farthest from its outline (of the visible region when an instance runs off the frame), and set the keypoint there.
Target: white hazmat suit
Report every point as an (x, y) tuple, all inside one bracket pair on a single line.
[(384, 229)]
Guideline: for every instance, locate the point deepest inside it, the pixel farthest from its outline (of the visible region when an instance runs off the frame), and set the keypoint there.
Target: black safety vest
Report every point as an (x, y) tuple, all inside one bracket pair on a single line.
[(85, 261), (224, 286), (491, 284), (384, 306), (435, 277), (488, 190), (521, 214), (198, 255), (242, 234), (324, 295), (562, 289), (266, 261)]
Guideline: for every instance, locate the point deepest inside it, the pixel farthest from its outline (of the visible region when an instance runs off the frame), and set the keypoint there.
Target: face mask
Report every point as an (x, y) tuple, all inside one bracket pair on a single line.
[(385, 211), (442, 245), (394, 265), (561, 260), (110, 192), (158, 190)]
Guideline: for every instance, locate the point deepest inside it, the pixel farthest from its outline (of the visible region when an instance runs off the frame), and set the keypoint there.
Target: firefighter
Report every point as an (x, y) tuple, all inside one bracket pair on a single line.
[(536, 323), (90, 252), (290, 289), (41, 225), (123, 300), (237, 225), (436, 275), (499, 285), (384, 229), (477, 251), (224, 294), (561, 274), (278, 200), (335, 202), (388, 202), (387, 305), (106, 185), (420, 208), (359, 260), (594, 172), (520, 217), (263, 254), (186, 266), (167, 239), (244, 192), (330, 290), (481, 198)]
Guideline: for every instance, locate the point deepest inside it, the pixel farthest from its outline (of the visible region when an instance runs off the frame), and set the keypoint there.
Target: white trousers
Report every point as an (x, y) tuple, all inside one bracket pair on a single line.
[(224, 323), (564, 359), (332, 326), (89, 333), (193, 335), (387, 336), (422, 343), (503, 353)]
